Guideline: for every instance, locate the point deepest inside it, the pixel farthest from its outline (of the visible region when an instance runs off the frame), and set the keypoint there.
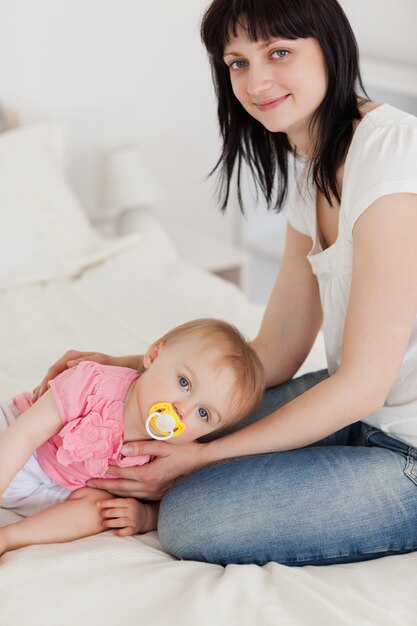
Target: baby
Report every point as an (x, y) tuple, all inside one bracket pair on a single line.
[(203, 371)]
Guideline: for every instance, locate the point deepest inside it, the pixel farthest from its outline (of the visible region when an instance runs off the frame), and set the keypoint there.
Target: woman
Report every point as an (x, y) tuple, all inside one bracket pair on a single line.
[(330, 474)]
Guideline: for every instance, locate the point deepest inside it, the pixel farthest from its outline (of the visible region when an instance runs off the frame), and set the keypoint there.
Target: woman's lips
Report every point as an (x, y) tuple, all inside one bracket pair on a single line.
[(271, 104)]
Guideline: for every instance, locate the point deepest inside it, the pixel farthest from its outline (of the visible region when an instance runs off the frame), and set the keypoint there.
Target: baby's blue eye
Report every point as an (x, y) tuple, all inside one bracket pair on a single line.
[(203, 413), (183, 382)]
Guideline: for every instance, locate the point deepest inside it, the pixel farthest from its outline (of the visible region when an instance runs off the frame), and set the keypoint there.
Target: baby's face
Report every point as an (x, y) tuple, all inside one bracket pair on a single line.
[(186, 374)]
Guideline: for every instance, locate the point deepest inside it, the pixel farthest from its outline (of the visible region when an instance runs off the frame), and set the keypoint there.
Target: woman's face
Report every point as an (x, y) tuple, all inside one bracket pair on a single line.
[(279, 82)]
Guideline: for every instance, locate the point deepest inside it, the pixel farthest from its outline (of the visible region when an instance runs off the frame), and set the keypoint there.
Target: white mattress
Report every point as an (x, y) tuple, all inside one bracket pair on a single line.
[(106, 580), (117, 298)]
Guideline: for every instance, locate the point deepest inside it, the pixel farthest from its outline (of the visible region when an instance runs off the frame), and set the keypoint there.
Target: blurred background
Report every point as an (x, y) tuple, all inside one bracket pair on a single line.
[(119, 73)]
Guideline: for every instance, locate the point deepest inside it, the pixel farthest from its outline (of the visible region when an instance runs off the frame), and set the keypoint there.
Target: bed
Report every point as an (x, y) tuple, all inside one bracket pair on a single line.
[(63, 285)]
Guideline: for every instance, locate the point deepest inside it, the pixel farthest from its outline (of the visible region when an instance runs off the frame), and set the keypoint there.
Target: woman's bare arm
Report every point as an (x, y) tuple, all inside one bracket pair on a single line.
[(290, 325), (293, 315), (381, 312)]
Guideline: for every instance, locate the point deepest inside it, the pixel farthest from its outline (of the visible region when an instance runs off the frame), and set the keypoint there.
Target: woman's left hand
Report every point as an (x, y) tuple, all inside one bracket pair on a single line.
[(152, 480)]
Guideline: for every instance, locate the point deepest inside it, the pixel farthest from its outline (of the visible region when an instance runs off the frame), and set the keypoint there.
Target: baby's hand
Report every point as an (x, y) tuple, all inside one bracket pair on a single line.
[(126, 514)]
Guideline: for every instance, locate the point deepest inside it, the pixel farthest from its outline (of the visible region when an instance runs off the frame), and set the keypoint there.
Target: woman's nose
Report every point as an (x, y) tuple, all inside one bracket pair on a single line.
[(259, 79)]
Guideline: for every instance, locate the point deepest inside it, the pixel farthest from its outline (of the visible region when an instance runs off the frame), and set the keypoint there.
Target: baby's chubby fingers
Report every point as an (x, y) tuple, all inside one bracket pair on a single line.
[(112, 503), (125, 532), (116, 514), (116, 508), (121, 526), (118, 522)]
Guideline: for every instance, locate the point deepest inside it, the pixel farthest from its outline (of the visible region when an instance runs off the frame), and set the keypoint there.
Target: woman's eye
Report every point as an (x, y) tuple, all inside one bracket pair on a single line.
[(279, 54), (203, 413), (184, 383), (237, 65)]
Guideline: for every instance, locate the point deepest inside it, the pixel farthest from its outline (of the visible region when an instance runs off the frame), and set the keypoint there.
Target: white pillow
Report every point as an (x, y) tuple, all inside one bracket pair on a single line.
[(44, 234)]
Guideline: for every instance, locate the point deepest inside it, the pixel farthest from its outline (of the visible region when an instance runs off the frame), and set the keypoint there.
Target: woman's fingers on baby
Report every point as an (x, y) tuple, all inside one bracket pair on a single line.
[(71, 358), (143, 448), (37, 392), (56, 368), (118, 486), (97, 357)]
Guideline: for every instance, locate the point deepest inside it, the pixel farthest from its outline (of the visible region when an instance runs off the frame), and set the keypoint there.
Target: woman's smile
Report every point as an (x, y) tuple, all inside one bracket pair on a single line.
[(267, 105)]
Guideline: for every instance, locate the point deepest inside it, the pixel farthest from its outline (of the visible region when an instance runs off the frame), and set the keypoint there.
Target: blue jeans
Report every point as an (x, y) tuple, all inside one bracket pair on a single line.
[(350, 497)]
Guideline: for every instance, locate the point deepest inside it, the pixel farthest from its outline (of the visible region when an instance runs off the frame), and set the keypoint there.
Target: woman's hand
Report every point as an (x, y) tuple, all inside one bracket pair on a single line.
[(152, 480), (73, 357)]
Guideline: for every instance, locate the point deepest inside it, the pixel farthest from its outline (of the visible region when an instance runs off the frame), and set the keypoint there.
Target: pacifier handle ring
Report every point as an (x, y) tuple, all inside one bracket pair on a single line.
[(151, 434)]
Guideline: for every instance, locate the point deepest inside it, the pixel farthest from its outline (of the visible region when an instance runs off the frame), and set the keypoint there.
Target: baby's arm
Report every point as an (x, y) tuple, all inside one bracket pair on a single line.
[(72, 519), (24, 435), (128, 515)]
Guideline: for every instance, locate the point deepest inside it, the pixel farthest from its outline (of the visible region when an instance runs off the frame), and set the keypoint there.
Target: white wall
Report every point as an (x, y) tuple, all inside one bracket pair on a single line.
[(384, 29), (115, 72), (122, 71)]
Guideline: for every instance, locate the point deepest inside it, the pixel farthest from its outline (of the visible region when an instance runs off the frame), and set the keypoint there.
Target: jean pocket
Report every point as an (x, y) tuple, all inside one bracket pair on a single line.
[(378, 438)]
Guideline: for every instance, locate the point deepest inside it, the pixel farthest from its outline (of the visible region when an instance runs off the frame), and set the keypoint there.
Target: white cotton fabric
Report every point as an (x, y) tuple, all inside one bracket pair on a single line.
[(31, 489), (382, 160)]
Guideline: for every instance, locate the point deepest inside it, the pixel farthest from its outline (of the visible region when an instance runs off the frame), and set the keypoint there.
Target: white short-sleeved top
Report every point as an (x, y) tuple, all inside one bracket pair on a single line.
[(382, 159)]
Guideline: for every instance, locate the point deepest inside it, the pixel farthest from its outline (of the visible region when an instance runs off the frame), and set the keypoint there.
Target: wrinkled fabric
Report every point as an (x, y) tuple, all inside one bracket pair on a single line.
[(90, 401)]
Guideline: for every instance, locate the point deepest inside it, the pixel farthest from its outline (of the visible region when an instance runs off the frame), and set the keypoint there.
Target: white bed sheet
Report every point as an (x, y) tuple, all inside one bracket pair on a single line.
[(119, 306), (117, 297)]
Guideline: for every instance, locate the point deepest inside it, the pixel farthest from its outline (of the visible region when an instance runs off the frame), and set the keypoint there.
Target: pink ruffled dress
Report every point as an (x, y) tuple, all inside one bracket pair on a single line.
[(90, 400)]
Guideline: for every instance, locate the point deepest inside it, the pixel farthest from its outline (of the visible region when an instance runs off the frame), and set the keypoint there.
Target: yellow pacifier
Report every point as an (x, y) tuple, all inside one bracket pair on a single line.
[(163, 422)]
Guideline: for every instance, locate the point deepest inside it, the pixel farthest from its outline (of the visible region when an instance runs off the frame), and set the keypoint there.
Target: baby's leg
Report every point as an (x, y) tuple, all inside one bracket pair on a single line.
[(75, 518)]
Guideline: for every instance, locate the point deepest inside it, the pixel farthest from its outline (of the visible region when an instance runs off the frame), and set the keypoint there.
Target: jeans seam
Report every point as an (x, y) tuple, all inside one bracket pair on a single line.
[(335, 558), (412, 452), (369, 434), (410, 464)]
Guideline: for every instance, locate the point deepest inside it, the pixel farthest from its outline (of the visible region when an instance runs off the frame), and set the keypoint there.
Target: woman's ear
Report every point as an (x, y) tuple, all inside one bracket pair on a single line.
[(152, 353)]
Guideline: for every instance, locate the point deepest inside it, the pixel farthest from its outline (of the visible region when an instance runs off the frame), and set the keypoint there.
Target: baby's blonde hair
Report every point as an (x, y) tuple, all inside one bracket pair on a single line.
[(238, 355)]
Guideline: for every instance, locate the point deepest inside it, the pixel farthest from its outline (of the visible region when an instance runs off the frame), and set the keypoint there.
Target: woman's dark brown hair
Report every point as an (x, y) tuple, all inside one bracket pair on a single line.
[(244, 138)]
